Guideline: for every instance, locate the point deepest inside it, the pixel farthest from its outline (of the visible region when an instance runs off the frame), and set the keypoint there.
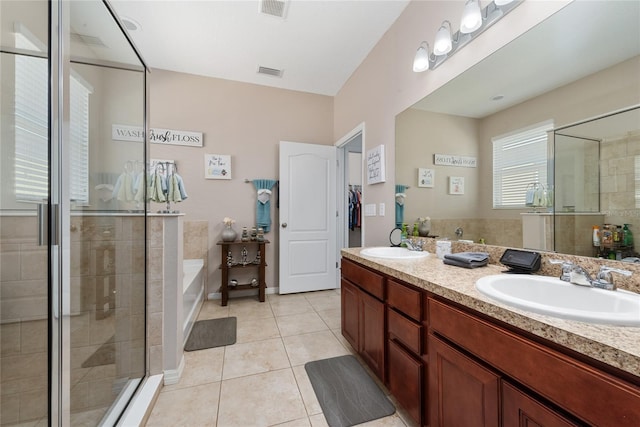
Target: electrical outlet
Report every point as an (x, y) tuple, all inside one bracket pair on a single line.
[(381, 209)]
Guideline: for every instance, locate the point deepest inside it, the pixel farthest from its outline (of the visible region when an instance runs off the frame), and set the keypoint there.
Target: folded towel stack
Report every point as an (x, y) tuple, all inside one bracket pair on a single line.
[(467, 259)]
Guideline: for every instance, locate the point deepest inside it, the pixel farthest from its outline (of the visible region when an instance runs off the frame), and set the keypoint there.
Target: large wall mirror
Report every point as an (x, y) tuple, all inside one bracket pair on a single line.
[(583, 62)]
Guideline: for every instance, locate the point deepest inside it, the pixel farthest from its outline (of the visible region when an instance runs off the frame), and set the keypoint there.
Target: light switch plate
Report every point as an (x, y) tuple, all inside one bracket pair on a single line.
[(381, 209), (370, 209)]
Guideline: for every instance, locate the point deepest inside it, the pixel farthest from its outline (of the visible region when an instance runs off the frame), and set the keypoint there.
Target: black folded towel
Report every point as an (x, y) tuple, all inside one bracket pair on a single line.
[(467, 259)]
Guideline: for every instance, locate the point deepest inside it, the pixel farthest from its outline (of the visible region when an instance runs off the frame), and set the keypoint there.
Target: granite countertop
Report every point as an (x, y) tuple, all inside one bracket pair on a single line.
[(617, 346)]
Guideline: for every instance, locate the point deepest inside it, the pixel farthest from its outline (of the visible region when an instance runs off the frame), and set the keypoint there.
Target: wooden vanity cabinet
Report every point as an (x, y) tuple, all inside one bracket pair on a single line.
[(462, 392), (449, 366), (363, 314), (583, 393), (405, 372), (522, 410)]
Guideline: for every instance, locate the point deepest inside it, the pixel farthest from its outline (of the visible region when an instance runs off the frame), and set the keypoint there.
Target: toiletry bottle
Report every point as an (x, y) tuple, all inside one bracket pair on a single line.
[(596, 235), (403, 236), (415, 230), (627, 236)]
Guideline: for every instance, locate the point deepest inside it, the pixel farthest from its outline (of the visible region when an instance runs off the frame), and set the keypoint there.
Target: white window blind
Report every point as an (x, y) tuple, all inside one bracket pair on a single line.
[(519, 160), (31, 134), (31, 124)]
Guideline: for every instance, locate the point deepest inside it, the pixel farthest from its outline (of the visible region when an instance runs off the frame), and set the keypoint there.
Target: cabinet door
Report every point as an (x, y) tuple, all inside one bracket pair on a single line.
[(349, 313), (405, 380), (521, 410), (372, 333), (456, 382)]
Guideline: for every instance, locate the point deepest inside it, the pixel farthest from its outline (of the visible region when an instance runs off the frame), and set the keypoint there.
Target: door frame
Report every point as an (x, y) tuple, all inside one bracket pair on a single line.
[(342, 229)]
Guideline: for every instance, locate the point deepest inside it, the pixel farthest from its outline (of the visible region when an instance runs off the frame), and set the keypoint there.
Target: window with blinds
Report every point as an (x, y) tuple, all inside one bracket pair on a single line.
[(31, 129), (519, 160)]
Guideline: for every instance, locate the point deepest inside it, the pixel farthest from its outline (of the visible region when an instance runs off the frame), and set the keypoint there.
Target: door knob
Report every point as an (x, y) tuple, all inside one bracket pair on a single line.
[(284, 225)]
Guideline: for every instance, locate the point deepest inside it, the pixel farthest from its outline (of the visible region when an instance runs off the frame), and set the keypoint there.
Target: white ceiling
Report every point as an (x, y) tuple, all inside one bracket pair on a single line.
[(318, 44)]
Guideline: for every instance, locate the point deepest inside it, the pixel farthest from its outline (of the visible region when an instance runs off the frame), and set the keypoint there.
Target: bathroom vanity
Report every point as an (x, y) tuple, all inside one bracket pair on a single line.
[(452, 357)]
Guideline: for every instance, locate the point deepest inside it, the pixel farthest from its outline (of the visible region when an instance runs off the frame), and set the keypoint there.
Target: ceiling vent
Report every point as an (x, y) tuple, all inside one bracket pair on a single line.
[(87, 40), (274, 7), (270, 71)]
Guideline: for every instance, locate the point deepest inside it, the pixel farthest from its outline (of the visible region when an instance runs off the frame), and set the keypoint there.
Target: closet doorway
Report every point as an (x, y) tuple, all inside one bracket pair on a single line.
[(350, 228)]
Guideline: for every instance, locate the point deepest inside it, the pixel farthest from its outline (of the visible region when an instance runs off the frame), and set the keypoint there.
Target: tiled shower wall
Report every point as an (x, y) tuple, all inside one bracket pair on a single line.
[(107, 297), (620, 181)]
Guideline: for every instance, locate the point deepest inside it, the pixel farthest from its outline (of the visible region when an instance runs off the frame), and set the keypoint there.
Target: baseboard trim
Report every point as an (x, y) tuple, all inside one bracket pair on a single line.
[(172, 376), (244, 293)]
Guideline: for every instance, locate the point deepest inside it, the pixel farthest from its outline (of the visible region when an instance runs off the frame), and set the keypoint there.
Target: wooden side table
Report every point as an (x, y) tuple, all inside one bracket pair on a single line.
[(235, 256)]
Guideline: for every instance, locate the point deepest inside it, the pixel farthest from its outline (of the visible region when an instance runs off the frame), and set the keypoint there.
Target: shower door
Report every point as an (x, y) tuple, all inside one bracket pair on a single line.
[(72, 242)]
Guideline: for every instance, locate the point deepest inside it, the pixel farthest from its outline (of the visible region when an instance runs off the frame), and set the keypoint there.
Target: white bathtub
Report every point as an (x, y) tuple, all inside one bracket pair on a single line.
[(192, 293)]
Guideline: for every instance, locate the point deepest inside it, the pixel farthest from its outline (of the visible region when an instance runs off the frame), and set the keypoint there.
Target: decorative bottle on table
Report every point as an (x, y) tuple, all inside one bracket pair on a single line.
[(228, 233)]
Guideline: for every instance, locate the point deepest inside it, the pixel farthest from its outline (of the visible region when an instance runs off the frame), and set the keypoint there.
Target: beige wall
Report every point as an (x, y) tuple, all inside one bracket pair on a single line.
[(424, 134), (245, 121), (387, 69), (609, 90)]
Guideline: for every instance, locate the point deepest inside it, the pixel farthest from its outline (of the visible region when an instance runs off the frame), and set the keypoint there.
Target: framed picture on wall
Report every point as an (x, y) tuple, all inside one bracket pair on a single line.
[(426, 177), (217, 166), (456, 185), (375, 165)]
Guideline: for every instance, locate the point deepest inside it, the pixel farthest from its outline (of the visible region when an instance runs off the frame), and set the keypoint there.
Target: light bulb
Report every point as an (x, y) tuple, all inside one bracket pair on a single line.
[(502, 2), (471, 17), (421, 60), (442, 45)]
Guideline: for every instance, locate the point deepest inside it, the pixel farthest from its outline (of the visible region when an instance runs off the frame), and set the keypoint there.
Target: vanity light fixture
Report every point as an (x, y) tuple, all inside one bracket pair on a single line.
[(473, 23), (443, 43), (421, 60), (471, 17)]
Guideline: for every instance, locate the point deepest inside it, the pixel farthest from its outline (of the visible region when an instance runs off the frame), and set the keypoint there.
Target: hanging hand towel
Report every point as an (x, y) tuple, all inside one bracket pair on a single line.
[(157, 193), (183, 192), (139, 187), (174, 191), (263, 204), (400, 195)]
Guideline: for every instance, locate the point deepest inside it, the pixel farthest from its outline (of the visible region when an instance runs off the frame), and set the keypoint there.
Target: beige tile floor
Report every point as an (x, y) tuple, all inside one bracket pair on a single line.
[(260, 380)]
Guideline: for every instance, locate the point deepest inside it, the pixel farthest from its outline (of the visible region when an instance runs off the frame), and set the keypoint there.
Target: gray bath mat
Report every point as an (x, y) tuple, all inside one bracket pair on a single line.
[(346, 392), (212, 333)]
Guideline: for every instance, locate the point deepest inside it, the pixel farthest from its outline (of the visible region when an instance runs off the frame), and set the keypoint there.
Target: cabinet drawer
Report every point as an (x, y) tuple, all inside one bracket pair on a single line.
[(404, 330), (405, 381), (589, 393), (405, 299), (521, 410), (368, 280)]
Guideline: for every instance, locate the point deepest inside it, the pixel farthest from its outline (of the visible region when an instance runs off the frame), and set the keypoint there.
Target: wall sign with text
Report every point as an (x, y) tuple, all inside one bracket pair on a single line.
[(451, 160), (375, 165), (157, 135)]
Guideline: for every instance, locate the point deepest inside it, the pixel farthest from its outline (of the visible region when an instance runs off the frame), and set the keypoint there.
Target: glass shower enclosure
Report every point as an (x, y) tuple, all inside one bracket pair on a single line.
[(72, 214)]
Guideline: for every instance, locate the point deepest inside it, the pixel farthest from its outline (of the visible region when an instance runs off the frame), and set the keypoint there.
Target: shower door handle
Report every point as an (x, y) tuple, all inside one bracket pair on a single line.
[(42, 218)]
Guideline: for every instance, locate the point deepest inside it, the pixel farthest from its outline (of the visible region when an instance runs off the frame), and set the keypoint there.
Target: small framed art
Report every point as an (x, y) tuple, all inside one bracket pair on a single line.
[(217, 166), (456, 185), (426, 177)]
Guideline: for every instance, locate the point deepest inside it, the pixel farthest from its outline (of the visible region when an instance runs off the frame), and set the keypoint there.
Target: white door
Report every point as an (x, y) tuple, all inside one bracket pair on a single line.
[(308, 259)]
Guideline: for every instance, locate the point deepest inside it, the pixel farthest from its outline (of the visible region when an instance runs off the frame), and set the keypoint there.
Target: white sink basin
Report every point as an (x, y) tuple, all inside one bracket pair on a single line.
[(393, 253), (554, 297)]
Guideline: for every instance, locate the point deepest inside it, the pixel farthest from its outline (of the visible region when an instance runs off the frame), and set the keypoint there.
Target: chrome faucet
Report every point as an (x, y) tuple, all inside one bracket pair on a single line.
[(414, 244), (577, 275), (604, 279)]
